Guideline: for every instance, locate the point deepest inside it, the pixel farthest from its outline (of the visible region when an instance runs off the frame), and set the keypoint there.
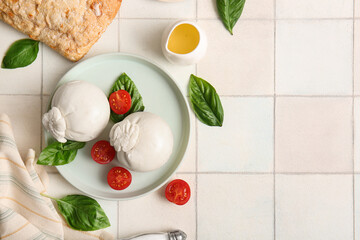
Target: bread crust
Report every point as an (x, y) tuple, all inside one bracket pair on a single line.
[(70, 27)]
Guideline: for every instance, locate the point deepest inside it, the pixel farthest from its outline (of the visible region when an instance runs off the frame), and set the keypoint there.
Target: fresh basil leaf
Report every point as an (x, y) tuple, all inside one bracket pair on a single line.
[(59, 153), (73, 145), (125, 83), (21, 54), (230, 11), (82, 213), (205, 102)]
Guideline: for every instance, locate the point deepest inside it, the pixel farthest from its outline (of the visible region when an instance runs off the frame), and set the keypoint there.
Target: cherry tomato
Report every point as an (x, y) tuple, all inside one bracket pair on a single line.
[(119, 178), (178, 192), (120, 102), (102, 152)]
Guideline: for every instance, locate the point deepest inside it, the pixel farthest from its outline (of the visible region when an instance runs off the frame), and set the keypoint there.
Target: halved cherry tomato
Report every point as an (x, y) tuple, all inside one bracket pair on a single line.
[(178, 192), (102, 152), (120, 102), (119, 178)]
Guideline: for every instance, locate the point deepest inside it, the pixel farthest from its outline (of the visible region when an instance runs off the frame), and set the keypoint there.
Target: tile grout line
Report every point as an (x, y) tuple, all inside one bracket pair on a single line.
[(272, 173), (261, 173), (353, 119), (24, 95), (197, 11), (274, 127), (118, 220), (317, 96), (315, 19), (314, 173), (242, 19), (286, 95), (196, 152), (232, 95), (196, 177)]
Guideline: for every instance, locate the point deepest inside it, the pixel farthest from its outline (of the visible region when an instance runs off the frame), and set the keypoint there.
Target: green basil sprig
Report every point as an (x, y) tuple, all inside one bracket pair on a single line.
[(59, 153), (21, 54), (125, 83), (230, 11), (82, 212), (205, 102)]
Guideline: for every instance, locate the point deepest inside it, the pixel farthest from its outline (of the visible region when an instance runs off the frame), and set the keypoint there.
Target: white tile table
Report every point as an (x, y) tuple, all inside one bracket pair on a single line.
[(286, 163)]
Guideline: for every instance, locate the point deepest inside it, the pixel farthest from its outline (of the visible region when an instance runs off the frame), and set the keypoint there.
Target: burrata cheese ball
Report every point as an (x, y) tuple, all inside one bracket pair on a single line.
[(79, 111), (143, 141)]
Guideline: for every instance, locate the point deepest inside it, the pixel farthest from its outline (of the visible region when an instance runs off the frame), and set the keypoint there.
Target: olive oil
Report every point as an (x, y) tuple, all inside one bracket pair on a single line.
[(183, 39)]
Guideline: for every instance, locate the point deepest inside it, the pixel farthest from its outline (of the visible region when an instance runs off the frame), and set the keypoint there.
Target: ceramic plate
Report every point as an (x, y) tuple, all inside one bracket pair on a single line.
[(161, 96)]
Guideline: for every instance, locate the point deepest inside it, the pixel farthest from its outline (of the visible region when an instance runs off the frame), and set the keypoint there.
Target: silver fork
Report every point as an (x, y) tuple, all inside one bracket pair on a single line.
[(174, 235)]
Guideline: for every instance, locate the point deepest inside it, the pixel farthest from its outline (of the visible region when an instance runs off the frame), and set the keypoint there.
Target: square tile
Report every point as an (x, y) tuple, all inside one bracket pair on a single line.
[(207, 9), (235, 207), (314, 207), (314, 57), (158, 9), (357, 206), (242, 64), (314, 9), (59, 187), (154, 213), (244, 143), (108, 42), (143, 37), (357, 8), (24, 113), (26, 80), (313, 134), (55, 65), (357, 57), (357, 135)]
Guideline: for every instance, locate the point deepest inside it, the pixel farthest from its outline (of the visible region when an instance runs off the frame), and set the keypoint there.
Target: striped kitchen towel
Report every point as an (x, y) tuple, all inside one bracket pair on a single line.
[(24, 213)]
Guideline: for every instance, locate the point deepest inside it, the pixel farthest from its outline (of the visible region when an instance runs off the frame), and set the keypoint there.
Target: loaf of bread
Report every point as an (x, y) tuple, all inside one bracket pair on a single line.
[(70, 27)]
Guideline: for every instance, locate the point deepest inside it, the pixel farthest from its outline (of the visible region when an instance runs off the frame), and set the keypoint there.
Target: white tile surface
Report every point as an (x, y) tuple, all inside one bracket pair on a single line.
[(24, 113), (158, 9), (245, 140), (313, 134), (235, 207), (108, 41), (357, 134), (143, 37), (242, 64), (314, 9), (154, 213), (25, 80), (59, 188), (207, 9), (55, 66), (357, 206), (314, 57), (314, 207), (357, 56)]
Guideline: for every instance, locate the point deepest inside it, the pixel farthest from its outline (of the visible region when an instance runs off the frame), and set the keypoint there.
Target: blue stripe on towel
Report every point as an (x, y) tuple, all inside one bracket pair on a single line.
[(6, 216), (4, 178), (7, 140)]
